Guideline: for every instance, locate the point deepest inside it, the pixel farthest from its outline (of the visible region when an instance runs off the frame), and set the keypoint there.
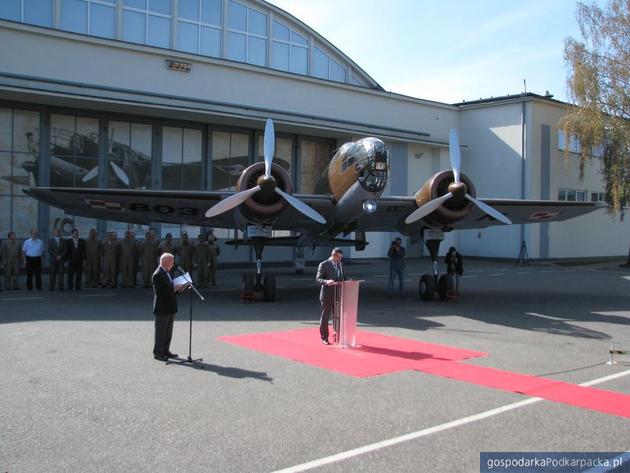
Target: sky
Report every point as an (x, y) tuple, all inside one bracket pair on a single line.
[(450, 50)]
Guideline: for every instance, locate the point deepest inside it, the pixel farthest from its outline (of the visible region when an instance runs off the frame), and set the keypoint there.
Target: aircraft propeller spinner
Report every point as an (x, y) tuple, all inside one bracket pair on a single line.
[(457, 189), (266, 183)]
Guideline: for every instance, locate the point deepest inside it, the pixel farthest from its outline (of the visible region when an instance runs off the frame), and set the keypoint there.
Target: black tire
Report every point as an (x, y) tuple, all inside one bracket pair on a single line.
[(426, 287), (269, 287), (360, 236), (443, 286), (248, 283)]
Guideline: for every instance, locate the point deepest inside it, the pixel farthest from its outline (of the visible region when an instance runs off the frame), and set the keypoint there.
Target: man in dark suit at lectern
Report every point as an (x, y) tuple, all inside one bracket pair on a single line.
[(329, 274), (164, 307)]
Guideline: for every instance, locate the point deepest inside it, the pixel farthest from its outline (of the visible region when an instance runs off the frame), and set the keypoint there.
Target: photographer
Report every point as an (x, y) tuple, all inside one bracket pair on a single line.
[(396, 256), (454, 265)]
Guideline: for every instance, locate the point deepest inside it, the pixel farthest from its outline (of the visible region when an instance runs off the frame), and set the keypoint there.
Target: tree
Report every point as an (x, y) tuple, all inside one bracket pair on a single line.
[(599, 91)]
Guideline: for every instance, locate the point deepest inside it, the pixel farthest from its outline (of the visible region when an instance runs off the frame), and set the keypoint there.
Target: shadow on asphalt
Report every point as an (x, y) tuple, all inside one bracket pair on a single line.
[(227, 371)]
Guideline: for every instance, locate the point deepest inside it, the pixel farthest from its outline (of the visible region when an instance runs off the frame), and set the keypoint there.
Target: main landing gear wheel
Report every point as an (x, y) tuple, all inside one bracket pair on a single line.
[(269, 287), (426, 287)]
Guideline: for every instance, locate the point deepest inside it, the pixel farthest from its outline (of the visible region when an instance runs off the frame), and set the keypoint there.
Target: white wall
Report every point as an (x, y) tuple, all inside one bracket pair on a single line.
[(492, 160), (595, 234)]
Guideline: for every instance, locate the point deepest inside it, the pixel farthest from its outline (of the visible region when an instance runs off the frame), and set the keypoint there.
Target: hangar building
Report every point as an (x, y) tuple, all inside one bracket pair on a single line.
[(173, 94)]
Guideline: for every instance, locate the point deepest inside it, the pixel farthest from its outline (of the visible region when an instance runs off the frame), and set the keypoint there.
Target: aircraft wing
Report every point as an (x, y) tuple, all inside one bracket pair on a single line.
[(392, 211), (168, 206), (527, 211), (137, 206)]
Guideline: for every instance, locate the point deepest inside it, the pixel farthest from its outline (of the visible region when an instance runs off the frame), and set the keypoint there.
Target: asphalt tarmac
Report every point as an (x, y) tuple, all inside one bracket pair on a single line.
[(81, 392)]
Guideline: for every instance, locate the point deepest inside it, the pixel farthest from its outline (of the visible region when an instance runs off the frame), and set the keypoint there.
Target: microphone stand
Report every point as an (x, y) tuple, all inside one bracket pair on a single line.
[(195, 362)]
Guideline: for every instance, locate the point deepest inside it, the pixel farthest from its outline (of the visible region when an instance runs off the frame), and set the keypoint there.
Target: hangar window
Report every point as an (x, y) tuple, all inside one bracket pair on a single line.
[(199, 26), (19, 158), (289, 50), (181, 158), (34, 12), (147, 22), (129, 155), (314, 156), (230, 156), (247, 34), (572, 195), (325, 67), (93, 17)]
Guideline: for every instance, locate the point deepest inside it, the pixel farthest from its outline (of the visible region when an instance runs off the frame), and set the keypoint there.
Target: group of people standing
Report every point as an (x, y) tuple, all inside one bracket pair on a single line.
[(108, 263)]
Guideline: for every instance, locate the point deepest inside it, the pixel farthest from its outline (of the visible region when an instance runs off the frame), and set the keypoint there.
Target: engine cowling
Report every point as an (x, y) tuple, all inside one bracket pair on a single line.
[(452, 210), (266, 204)]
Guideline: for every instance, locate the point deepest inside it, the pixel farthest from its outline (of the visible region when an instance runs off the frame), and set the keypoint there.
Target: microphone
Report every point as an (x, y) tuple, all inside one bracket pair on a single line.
[(179, 270)]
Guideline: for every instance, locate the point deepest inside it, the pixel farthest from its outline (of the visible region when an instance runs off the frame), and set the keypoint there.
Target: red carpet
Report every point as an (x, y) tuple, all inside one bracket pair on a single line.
[(382, 354), (378, 354)]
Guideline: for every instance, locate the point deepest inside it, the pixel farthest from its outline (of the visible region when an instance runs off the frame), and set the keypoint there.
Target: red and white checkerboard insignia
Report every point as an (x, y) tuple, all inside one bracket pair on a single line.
[(105, 205), (542, 216)]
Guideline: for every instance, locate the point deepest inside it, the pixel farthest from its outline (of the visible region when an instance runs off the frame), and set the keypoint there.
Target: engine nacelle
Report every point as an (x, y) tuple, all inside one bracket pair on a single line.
[(263, 206), (453, 209)]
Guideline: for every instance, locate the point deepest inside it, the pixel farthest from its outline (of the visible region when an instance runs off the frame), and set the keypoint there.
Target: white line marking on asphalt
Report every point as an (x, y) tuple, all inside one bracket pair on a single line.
[(497, 274), (431, 430), (21, 298), (547, 271), (470, 276)]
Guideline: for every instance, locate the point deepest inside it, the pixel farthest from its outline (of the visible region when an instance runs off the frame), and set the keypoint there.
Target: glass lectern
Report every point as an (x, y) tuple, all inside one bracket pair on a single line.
[(345, 313)]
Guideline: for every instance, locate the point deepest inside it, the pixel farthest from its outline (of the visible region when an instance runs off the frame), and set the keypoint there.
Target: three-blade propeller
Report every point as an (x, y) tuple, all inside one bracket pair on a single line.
[(120, 174), (455, 157), (237, 199)]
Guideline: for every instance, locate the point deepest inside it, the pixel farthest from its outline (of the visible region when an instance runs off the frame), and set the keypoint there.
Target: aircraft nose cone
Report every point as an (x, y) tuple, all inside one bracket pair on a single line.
[(458, 189)]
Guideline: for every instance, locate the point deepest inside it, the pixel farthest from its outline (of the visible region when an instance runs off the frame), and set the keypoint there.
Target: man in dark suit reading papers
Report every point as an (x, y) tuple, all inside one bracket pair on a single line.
[(329, 275), (164, 307)]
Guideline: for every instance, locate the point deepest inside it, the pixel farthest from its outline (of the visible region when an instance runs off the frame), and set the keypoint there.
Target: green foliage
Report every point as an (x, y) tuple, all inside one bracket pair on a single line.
[(599, 90)]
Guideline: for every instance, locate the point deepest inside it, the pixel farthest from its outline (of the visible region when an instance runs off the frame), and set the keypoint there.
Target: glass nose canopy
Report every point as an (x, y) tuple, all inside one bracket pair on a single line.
[(372, 164)]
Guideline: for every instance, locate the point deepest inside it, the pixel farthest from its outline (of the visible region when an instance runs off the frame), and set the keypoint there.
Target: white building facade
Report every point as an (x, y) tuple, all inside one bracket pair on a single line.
[(178, 91)]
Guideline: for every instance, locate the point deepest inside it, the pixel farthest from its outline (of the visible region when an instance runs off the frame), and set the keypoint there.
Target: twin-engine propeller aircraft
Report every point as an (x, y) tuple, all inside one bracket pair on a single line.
[(349, 199)]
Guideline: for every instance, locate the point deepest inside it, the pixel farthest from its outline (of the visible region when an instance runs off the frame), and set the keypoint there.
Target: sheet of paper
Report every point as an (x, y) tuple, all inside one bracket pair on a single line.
[(182, 280)]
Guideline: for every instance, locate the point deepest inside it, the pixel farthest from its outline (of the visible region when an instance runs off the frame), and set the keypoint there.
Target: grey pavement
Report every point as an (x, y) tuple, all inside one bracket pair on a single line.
[(80, 391)]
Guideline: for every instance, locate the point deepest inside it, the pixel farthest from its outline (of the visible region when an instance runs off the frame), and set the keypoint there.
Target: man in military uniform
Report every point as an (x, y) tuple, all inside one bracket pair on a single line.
[(202, 257), (10, 256), (213, 255), (167, 245), (111, 250), (136, 258), (127, 257), (57, 253), (186, 251), (150, 253), (94, 253)]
